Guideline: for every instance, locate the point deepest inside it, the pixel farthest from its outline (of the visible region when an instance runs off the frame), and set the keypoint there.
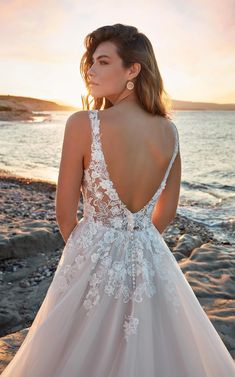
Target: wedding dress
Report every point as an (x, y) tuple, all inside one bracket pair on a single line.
[(119, 304)]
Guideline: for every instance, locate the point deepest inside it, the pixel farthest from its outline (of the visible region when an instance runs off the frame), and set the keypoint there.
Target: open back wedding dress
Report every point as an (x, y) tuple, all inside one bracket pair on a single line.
[(119, 304)]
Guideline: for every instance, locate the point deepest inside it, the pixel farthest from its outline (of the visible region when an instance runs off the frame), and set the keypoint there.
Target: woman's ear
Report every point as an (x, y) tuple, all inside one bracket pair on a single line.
[(134, 70)]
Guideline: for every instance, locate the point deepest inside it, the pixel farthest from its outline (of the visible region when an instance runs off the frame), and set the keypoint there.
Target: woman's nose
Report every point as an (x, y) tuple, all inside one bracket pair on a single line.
[(90, 71)]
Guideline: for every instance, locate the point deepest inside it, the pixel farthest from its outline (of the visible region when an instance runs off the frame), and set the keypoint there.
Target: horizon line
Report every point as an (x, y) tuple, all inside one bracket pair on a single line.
[(61, 102)]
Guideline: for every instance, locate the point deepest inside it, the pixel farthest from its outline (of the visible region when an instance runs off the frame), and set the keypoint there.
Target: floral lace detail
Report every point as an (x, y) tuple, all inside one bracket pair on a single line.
[(126, 254), (130, 326), (127, 277), (68, 266), (101, 200)]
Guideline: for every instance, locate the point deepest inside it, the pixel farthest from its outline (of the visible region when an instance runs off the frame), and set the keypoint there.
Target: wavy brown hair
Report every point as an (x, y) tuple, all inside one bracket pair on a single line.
[(132, 47)]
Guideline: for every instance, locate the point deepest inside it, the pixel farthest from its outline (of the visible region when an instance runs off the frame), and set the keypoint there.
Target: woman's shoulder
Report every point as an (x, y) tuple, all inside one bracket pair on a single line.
[(78, 115), (166, 124), (77, 125), (80, 119)]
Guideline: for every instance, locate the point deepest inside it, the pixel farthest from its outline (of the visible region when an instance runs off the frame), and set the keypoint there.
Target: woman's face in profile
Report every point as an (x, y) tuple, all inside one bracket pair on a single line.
[(107, 73)]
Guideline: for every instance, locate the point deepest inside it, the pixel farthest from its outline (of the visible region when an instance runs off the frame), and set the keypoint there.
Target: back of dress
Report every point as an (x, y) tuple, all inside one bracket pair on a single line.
[(125, 258), (101, 201)]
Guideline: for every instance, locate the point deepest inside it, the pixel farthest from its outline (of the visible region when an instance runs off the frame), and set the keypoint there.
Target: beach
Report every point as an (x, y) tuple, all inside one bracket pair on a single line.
[(31, 246), (201, 237)]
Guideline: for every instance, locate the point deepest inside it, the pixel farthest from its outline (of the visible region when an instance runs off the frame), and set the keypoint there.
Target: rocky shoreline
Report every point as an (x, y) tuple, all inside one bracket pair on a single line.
[(18, 108), (31, 246)]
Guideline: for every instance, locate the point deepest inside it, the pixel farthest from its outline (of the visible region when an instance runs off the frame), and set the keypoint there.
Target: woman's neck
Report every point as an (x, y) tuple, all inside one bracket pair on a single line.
[(124, 98)]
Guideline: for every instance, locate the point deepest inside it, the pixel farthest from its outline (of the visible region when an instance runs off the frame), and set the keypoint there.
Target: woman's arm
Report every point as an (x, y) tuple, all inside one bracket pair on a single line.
[(167, 203), (70, 173)]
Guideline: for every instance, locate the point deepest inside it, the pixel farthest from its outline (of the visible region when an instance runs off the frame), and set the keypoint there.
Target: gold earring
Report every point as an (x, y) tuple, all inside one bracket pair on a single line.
[(130, 85)]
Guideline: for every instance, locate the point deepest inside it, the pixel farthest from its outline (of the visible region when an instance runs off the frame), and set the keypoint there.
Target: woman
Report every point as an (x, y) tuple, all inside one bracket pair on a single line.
[(119, 305)]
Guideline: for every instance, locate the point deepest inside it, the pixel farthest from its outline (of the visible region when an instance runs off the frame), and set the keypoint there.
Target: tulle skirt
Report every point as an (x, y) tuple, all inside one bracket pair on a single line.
[(87, 325)]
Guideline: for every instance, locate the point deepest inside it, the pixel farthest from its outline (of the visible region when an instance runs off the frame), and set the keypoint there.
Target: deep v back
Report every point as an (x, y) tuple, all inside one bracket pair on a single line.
[(100, 194)]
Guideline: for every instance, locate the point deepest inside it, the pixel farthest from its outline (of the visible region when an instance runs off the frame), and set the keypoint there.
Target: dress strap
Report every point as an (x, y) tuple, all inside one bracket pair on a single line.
[(94, 119), (95, 132)]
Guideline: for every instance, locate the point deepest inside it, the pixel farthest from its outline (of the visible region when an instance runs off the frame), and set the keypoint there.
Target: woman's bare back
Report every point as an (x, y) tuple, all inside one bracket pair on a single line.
[(137, 148)]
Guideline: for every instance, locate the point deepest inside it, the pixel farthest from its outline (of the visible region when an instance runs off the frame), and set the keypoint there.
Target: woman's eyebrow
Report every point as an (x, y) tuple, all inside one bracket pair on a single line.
[(102, 56)]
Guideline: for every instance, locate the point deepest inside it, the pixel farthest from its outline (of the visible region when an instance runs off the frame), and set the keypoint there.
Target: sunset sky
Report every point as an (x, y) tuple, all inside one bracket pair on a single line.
[(42, 43)]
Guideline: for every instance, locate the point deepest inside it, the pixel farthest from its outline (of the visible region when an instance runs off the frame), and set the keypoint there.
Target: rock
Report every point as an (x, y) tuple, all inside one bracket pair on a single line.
[(178, 256), (210, 271), (8, 315), (187, 243), (9, 345), (25, 287), (32, 237), (24, 284)]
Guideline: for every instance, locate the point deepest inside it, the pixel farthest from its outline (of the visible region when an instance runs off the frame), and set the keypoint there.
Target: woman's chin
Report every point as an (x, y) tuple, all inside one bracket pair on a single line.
[(96, 94), (93, 92)]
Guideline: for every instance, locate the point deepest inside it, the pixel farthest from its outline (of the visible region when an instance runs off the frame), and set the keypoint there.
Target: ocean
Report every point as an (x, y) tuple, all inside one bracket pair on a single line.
[(207, 139)]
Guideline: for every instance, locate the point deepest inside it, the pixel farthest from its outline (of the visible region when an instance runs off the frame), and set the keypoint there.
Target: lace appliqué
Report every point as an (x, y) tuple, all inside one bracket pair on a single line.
[(69, 264), (117, 275), (128, 256), (130, 326), (101, 200)]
